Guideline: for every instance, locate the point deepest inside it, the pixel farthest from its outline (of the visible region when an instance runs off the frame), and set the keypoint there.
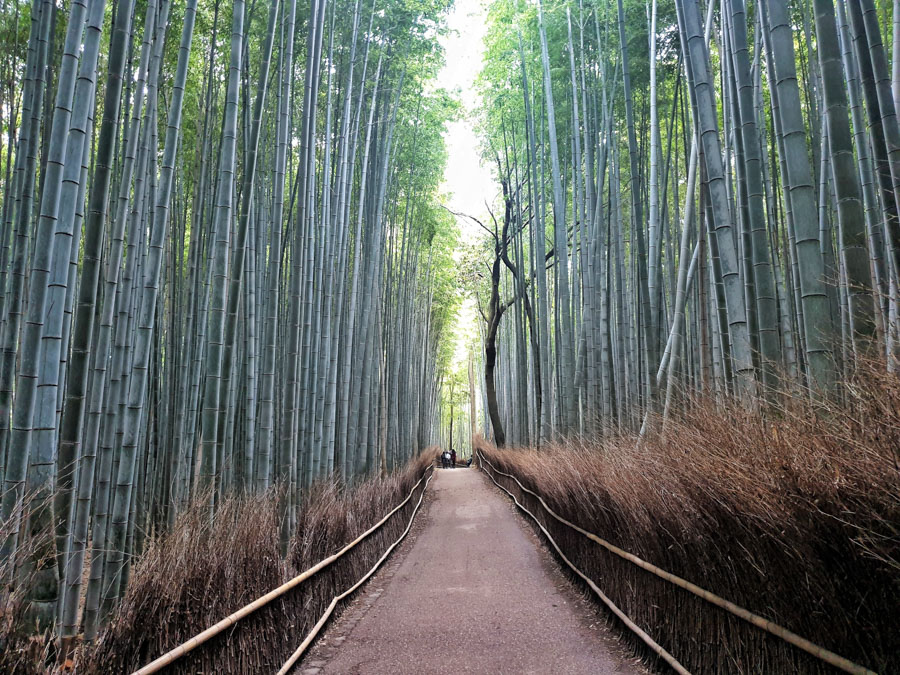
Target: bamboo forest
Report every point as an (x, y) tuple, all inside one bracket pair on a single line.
[(269, 267)]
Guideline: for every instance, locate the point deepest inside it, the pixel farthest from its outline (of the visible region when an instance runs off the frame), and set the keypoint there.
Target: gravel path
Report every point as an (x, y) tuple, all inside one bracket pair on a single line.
[(472, 592)]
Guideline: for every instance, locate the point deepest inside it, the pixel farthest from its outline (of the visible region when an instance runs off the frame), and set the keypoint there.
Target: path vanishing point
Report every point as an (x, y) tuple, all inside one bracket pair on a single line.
[(471, 591)]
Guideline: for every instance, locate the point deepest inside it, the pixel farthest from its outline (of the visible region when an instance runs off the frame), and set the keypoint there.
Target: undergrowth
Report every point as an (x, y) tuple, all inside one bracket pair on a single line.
[(794, 515), (25, 647), (205, 569)]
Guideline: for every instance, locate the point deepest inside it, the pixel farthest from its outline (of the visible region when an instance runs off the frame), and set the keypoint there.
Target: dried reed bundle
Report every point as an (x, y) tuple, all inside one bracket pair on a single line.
[(24, 648)]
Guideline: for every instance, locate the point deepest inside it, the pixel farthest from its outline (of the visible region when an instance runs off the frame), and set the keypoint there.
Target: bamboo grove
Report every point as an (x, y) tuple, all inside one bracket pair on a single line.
[(698, 199), (223, 267)]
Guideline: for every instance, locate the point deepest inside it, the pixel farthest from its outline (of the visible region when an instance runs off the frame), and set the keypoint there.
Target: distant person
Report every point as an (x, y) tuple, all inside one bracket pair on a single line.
[(453, 458), (469, 462), (445, 459)]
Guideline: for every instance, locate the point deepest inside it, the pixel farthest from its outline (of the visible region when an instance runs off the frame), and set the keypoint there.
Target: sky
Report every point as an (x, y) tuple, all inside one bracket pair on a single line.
[(467, 182)]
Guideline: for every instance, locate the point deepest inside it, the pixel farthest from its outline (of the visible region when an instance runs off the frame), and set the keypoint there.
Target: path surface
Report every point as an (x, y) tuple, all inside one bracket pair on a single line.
[(476, 570)]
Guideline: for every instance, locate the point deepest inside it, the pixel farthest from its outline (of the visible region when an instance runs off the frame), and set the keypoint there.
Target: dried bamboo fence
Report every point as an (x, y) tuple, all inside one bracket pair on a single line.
[(824, 655), (205, 636)]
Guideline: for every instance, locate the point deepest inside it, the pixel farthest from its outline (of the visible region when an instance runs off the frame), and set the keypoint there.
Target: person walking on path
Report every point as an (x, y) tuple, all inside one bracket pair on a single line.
[(452, 458)]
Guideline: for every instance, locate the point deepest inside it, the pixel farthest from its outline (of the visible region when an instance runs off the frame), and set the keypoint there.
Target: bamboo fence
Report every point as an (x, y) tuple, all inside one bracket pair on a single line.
[(756, 620), (173, 655)]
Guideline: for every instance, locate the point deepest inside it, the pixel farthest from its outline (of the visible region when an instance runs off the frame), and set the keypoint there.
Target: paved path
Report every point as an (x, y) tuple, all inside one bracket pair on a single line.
[(475, 570)]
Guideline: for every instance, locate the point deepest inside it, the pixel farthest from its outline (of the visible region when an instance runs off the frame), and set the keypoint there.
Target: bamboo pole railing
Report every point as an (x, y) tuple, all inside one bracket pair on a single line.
[(755, 619), (191, 644), (307, 641), (637, 630)]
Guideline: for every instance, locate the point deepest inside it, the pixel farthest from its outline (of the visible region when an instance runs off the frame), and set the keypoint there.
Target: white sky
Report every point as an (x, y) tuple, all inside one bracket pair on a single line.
[(467, 182)]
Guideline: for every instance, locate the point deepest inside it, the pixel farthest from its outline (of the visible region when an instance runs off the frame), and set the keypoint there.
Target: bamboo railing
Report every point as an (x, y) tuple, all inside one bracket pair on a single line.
[(189, 645), (760, 622), (307, 641), (637, 630)]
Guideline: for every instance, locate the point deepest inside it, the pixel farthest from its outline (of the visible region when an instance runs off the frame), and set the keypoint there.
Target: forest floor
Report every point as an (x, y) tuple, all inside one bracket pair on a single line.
[(471, 591)]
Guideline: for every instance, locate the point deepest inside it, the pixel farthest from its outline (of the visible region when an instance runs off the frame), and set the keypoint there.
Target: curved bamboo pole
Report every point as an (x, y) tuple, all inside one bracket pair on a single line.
[(760, 622), (307, 641), (637, 630), (185, 647)]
